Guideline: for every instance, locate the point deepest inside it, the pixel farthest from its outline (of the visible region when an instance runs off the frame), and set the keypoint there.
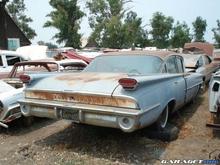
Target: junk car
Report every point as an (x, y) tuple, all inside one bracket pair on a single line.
[(125, 90), (200, 63), (11, 88)]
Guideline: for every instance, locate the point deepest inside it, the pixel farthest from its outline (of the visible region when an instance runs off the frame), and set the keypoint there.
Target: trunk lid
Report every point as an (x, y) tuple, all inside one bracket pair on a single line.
[(94, 83)]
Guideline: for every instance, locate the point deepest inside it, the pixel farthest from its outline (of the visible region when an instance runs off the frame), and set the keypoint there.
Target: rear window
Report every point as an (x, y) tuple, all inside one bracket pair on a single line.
[(11, 60), (130, 64)]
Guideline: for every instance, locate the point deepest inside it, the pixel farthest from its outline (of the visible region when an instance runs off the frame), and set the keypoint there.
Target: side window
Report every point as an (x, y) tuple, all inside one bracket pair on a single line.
[(200, 62), (207, 60), (1, 63), (11, 60), (171, 65), (179, 64)]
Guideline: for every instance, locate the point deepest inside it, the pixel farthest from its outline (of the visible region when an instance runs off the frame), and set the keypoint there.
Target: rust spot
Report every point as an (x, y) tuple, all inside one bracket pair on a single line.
[(84, 99), (90, 77)]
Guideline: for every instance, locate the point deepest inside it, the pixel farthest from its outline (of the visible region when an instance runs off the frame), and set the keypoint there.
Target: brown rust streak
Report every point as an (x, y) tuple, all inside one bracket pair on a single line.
[(90, 77), (84, 99)]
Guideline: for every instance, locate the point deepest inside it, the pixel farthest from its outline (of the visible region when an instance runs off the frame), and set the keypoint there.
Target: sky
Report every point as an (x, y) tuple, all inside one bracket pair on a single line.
[(180, 10)]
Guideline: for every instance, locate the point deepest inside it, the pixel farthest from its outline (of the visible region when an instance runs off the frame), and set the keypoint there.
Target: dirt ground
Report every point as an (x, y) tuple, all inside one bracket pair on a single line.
[(52, 142)]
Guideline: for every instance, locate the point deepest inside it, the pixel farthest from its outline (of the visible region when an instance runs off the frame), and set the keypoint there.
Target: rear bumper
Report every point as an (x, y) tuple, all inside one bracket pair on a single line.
[(128, 120), (9, 114)]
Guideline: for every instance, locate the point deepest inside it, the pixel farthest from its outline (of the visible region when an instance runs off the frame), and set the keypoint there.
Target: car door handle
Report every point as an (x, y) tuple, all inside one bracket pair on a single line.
[(176, 82)]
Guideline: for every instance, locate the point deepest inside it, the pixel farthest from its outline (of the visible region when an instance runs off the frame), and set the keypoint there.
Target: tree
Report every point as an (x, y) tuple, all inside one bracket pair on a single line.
[(180, 35), (16, 9), (66, 18), (161, 28), (134, 34), (106, 22), (216, 32), (113, 26), (199, 28)]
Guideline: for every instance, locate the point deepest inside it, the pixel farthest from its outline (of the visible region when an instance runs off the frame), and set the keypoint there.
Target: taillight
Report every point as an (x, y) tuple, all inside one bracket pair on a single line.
[(128, 83), (25, 78)]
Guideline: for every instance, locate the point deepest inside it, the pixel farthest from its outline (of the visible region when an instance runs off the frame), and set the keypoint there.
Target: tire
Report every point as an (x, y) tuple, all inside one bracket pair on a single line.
[(203, 87), (28, 121), (163, 119)]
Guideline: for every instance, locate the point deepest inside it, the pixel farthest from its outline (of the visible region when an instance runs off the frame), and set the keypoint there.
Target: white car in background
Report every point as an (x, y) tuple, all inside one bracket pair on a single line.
[(8, 59)]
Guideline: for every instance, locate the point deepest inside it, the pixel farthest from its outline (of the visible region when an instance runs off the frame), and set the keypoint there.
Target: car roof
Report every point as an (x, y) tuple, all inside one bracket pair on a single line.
[(191, 56), (8, 52), (160, 54), (50, 61)]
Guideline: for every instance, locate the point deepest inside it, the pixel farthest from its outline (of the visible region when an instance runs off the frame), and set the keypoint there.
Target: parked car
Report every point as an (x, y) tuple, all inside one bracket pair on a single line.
[(214, 101), (125, 90), (216, 57), (11, 88), (7, 60), (200, 63)]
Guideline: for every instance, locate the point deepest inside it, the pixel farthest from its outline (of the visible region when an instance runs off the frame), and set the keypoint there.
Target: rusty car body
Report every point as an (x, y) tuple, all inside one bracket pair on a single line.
[(200, 63), (125, 90), (216, 57), (11, 88)]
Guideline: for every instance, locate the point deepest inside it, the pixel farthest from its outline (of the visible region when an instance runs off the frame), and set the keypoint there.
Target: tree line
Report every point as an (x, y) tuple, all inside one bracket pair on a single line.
[(113, 25)]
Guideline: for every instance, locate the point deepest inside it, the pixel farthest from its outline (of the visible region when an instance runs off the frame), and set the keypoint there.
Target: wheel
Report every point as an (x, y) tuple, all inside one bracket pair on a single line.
[(162, 120), (213, 118), (27, 121), (203, 87)]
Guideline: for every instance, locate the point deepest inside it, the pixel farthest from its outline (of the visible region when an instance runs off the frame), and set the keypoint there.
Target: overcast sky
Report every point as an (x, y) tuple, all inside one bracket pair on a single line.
[(181, 10)]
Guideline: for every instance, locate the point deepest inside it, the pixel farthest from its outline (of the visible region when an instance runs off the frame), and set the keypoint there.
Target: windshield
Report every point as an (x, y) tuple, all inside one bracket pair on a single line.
[(129, 64)]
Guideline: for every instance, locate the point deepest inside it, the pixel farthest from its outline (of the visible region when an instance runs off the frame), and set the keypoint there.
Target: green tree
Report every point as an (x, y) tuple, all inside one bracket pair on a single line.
[(66, 18), (106, 22), (113, 26), (134, 34), (16, 9), (161, 28), (216, 32), (180, 35), (199, 28)]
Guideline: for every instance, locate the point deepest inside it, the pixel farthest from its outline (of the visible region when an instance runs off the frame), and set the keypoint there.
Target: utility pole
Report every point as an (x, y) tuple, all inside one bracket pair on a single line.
[(3, 23)]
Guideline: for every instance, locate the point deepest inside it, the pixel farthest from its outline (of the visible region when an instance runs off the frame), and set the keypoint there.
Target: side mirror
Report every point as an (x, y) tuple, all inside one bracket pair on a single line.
[(215, 87)]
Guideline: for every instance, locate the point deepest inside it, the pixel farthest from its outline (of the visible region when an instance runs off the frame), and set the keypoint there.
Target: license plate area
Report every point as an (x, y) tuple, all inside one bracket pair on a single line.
[(70, 115)]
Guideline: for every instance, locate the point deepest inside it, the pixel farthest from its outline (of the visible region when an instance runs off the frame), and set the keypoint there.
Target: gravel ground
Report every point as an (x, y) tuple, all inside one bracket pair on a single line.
[(61, 142)]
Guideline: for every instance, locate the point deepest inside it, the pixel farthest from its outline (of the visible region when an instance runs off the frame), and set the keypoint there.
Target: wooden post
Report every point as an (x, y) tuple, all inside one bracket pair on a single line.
[(3, 24)]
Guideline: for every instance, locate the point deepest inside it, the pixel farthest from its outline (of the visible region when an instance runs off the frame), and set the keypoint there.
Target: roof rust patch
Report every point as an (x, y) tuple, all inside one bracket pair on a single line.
[(207, 48)]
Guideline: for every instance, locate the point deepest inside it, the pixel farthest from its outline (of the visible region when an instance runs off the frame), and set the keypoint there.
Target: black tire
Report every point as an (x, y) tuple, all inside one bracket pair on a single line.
[(28, 121), (163, 119), (203, 87)]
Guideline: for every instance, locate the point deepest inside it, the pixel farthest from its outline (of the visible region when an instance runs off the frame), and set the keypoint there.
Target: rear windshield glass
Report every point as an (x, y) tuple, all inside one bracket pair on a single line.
[(129, 64)]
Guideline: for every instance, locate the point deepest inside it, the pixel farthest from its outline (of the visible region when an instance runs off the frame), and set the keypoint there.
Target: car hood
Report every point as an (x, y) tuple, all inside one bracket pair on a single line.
[(4, 87), (98, 83)]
